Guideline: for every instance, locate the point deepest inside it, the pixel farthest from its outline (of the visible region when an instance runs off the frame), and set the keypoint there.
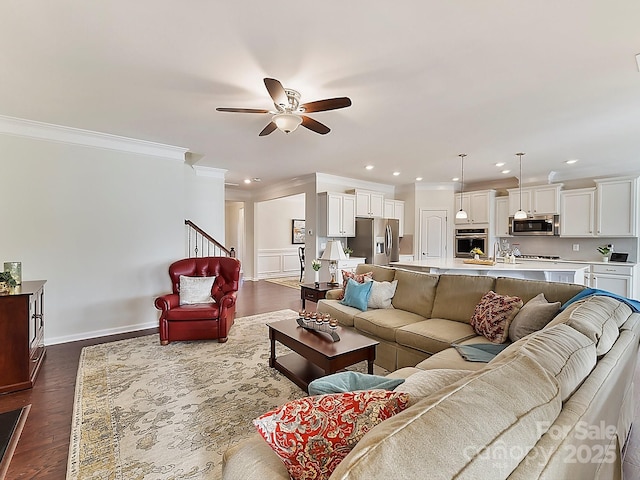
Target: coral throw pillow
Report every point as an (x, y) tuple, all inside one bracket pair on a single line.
[(312, 435), (494, 314), (360, 278)]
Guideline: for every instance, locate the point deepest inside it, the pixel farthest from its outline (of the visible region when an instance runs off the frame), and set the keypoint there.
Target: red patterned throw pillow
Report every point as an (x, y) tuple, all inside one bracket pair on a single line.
[(312, 435), (360, 278), (493, 316)]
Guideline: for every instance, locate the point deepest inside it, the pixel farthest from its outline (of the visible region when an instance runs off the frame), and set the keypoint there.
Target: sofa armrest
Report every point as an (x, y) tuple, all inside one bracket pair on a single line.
[(167, 302), (334, 294)]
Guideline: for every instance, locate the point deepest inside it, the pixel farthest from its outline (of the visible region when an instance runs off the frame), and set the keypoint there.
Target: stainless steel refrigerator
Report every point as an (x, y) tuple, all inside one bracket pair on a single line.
[(376, 240)]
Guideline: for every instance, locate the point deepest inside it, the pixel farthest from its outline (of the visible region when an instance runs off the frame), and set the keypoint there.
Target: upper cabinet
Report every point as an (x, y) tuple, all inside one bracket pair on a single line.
[(395, 209), (617, 200), (502, 217), (578, 212), (478, 205), (368, 203), (540, 200), (336, 215)]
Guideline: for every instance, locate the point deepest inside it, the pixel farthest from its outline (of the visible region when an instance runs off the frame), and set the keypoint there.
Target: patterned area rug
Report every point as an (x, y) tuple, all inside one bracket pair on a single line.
[(291, 282), (143, 411)]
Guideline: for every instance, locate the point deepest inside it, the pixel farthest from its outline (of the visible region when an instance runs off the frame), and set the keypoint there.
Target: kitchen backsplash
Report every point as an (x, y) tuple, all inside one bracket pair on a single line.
[(563, 247)]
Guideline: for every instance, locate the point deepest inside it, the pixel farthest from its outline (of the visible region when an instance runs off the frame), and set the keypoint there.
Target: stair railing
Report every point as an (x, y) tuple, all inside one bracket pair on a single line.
[(201, 244)]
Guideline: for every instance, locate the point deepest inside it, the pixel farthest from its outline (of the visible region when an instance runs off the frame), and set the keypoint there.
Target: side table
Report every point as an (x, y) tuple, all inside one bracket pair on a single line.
[(309, 291)]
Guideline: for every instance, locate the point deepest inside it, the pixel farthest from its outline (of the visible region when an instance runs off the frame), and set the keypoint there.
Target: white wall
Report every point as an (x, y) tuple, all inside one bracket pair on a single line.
[(101, 226)]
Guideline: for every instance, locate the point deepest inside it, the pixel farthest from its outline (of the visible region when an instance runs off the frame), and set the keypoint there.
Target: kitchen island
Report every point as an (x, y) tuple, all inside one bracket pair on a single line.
[(531, 270)]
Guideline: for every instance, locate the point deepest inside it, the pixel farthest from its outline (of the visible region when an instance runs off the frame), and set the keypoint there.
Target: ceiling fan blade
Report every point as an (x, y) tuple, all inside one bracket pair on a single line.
[(242, 110), (314, 125), (324, 105), (268, 129), (276, 90)]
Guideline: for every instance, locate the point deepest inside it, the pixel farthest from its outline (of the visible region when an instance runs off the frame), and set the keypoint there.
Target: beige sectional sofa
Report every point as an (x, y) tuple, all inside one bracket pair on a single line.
[(556, 404)]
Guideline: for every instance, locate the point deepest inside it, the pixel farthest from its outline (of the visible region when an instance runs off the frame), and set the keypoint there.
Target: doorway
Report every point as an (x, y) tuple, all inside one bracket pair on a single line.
[(433, 234)]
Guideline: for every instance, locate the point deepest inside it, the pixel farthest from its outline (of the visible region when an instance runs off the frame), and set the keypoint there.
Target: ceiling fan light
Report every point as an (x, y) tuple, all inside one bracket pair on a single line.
[(287, 122), (520, 215), (461, 215)]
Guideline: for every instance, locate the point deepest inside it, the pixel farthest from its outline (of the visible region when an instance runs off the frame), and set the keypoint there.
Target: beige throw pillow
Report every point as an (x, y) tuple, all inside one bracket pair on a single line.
[(196, 290), (382, 294), (533, 316)]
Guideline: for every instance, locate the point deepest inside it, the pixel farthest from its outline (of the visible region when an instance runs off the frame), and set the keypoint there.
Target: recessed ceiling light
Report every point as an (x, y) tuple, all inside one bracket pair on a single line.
[(247, 180), (455, 179), (571, 162), (418, 179), (395, 174), (256, 179), (369, 167), (500, 164), (505, 171)]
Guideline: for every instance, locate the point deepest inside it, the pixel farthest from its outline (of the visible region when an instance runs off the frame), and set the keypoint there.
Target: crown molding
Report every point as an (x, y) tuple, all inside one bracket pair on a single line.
[(57, 133), (212, 172)]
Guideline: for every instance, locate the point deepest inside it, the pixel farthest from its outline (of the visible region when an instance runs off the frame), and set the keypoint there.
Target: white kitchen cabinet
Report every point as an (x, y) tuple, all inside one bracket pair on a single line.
[(478, 205), (368, 203), (617, 200), (336, 215), (502, 217), (539, 200), (577, 216), (613, 278), (395, 209)]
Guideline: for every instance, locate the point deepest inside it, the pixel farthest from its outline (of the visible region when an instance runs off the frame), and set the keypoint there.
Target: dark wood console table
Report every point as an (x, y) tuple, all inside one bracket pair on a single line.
[(21, 335)]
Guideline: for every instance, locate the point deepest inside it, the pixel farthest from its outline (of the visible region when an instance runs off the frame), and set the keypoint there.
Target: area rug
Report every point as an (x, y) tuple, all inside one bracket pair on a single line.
[(143, 411), (11, 424), (291, 282)]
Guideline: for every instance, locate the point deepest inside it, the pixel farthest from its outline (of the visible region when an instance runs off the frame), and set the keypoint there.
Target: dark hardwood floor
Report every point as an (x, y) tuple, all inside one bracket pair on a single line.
[(43, 447), (44, 444)]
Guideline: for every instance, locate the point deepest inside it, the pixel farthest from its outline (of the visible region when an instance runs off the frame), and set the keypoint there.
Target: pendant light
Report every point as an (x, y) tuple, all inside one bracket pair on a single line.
[(520, 214), (461, 215)]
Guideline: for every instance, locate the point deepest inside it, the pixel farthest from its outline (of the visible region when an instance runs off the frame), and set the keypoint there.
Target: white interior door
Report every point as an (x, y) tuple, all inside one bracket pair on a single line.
[(433, 234)]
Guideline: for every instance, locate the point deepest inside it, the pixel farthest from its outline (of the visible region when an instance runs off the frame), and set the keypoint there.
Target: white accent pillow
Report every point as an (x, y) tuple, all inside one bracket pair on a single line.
[(381, 294), (196, 290)]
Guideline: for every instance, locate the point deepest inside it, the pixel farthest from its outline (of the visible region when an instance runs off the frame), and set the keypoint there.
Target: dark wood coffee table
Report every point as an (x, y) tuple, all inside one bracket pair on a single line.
[(315, 354)]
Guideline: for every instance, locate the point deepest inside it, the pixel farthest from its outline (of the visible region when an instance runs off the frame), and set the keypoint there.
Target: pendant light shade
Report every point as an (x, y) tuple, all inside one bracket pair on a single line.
[(461, 215), (520, 214)]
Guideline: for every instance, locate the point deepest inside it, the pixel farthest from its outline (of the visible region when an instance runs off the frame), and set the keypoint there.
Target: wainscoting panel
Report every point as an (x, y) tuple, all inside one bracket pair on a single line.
[(273, 263)]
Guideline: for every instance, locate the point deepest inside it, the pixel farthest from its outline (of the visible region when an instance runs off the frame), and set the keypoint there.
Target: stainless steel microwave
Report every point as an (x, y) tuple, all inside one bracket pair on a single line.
[(537, 225)]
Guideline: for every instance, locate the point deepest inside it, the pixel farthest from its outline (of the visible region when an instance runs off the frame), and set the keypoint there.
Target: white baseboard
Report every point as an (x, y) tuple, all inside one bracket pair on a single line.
[(100, 333)]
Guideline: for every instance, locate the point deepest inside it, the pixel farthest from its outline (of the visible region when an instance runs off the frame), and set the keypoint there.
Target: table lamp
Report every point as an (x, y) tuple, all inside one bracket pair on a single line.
[(332, 254)]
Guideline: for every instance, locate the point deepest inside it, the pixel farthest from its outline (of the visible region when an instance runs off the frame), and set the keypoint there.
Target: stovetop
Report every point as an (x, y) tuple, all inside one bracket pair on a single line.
[(540, 257)]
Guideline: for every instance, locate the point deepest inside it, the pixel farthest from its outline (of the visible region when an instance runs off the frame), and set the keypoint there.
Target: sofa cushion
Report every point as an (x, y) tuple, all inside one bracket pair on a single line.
[(343, 313), (357, 294), (527, 289), (383, 323), (433, 335), (493, 315), (533, 315), (594, 317), (458, 295), (424, 383), (564, 352), (415, 292), (525, 395), (382, 294), (313, 434)]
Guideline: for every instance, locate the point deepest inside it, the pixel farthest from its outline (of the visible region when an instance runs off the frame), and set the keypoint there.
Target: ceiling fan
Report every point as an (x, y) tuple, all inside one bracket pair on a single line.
[(289, 113)]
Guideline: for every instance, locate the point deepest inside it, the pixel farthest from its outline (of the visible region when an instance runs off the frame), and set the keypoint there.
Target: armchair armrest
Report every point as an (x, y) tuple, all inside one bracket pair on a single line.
[(167, 302), (334, 294)]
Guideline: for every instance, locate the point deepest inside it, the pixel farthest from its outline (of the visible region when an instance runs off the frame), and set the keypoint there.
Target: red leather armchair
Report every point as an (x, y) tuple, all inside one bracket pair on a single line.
[(205, 320)]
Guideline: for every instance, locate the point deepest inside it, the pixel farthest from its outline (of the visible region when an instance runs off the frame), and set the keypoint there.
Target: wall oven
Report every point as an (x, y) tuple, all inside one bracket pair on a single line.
[(469, 238)]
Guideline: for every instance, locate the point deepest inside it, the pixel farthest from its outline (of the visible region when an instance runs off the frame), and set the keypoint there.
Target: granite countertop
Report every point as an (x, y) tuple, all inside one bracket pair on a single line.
[(520, 265)]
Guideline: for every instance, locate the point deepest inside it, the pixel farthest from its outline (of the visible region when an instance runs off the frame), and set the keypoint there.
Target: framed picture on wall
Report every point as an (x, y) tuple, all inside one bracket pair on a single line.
[(297, 231)]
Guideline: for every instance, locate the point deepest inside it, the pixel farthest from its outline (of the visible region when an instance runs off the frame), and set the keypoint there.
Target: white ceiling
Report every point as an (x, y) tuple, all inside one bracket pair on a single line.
[(428, 80)]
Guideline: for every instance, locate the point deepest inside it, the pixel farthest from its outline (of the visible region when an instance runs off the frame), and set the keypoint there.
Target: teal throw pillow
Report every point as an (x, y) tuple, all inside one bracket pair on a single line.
[(343, 382), (356, 294)]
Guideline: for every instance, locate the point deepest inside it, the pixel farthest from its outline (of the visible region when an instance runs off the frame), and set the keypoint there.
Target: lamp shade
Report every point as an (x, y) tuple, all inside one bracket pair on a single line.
[(333, 251), (287, 122)]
